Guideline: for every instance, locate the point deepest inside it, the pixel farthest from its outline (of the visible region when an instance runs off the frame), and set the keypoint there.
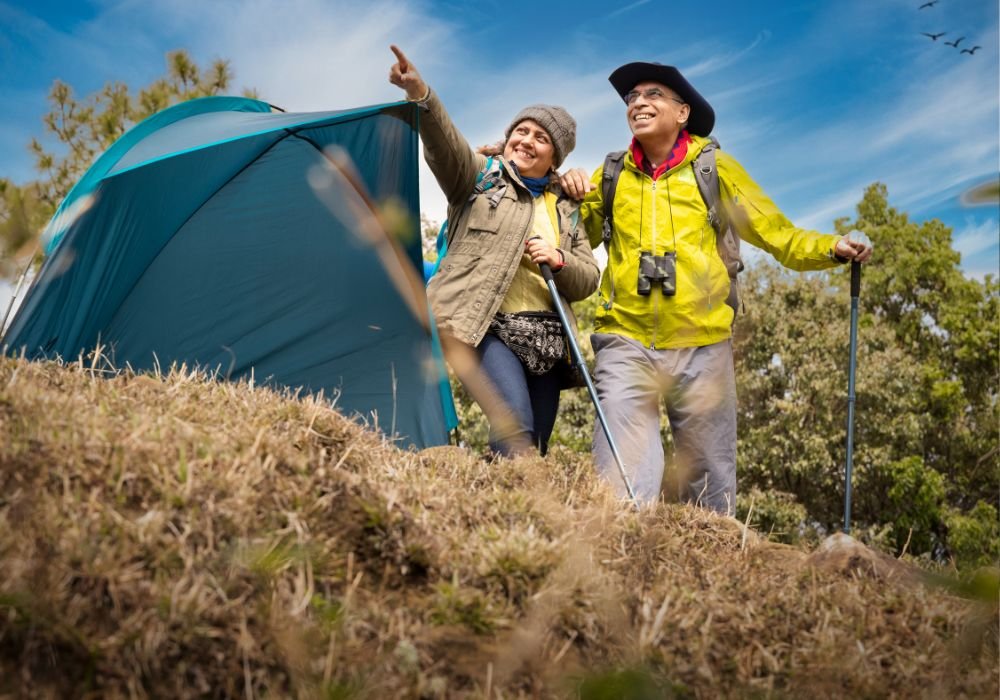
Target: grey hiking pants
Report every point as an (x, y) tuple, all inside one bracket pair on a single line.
[(698, 386)]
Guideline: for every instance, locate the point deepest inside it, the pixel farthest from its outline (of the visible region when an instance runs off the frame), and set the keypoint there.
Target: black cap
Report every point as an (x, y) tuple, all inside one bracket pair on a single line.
[(702, 117)]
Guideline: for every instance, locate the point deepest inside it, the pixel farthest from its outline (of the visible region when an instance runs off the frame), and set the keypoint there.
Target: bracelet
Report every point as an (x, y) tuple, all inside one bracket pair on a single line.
[(562, 260), (427, 96)]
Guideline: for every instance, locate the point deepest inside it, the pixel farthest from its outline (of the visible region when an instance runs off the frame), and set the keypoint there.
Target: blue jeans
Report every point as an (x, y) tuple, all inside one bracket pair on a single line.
[(533, 399)]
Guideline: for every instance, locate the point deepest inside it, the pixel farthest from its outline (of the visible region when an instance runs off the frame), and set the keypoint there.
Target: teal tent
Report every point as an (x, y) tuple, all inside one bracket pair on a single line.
[(228, 235)]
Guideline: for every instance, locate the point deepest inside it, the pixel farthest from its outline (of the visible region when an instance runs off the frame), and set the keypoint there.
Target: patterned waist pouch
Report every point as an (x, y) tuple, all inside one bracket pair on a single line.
[(536, 337)]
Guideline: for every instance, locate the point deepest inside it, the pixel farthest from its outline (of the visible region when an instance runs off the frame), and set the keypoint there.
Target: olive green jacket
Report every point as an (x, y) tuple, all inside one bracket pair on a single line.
[(486, 242)]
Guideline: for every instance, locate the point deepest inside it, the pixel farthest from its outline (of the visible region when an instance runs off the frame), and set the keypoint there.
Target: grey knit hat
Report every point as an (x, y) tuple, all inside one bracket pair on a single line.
[(555, 120)]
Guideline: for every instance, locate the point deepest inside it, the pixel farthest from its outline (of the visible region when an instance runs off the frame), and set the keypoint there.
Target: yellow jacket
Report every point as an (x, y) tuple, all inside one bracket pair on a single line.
[(669, 215)]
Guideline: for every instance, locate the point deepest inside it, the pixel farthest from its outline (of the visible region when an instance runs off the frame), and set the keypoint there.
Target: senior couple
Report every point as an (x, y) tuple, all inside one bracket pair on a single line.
[(663, 328)]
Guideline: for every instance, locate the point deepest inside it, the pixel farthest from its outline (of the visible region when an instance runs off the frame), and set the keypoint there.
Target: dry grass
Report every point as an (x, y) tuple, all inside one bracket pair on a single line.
[(178, 537)]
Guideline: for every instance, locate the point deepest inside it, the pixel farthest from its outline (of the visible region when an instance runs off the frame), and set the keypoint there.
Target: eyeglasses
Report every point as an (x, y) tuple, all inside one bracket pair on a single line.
[(651, 94)]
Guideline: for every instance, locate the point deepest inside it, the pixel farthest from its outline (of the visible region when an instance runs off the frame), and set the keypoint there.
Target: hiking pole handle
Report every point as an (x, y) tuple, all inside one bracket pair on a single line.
[(855, 279), (546, 271), (544, 267)]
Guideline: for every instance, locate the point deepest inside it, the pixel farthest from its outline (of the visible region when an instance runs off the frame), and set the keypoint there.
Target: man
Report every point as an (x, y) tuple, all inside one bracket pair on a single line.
[(664, 327)]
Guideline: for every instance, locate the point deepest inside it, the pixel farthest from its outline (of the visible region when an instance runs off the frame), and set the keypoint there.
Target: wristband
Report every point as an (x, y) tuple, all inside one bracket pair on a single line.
[(427, 96)]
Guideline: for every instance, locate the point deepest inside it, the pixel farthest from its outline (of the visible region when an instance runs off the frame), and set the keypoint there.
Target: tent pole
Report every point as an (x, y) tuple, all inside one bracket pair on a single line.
[(17, 290)]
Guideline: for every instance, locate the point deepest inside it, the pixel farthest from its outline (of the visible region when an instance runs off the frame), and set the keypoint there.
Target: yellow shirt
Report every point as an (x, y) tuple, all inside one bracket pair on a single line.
[(528, 291)]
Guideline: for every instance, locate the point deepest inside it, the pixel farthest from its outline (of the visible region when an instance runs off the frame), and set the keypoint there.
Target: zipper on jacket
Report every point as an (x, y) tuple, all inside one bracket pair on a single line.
[(708, 269), (656, 297)]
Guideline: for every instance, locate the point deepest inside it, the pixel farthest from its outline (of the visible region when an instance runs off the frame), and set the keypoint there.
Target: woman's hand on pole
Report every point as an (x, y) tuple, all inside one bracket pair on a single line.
[(541, 251), (404, 75)]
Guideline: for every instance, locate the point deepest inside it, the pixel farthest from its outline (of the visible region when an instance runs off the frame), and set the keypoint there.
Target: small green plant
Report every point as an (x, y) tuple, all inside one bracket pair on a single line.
[(329, 614), (629, 684), (776, 515), (455, 604), (974, 537), (266, 560)]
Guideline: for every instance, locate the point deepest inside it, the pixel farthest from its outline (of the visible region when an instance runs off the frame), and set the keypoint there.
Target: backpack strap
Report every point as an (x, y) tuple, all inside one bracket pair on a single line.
[(489, 177), (727, 242), (441, 246), (613, 164)]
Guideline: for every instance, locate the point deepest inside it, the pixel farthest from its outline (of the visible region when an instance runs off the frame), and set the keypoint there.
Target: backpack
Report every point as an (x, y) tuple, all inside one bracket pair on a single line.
[(727, 242), (487, 178)]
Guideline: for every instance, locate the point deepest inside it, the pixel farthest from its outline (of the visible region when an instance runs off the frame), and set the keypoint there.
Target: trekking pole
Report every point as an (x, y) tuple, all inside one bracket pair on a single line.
[(582, 366), (855, 293)]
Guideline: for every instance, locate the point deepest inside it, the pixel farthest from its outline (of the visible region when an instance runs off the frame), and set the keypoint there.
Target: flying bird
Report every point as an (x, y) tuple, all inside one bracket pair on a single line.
[(934, 37), (954, 43), (932, 3), (971, 51)]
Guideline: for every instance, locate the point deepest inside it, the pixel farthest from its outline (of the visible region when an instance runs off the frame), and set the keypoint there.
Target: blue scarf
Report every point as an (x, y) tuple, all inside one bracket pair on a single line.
[(535, 185)]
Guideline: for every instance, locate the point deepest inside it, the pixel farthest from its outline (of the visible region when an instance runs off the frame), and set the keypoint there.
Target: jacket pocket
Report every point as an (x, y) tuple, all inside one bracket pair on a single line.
[(478, 233), (450, 290), (456, 266), (483, 216)]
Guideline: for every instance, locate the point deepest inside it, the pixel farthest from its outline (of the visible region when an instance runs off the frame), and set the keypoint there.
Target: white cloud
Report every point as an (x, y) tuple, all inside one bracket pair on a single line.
[(627, 8), (923, 138), (725, 59), (975, 237), (979, 245), (821, 216), (307, 55), (939, 109)]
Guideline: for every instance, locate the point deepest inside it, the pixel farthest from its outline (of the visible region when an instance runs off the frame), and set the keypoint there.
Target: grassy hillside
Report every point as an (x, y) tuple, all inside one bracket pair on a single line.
[(176, 537)]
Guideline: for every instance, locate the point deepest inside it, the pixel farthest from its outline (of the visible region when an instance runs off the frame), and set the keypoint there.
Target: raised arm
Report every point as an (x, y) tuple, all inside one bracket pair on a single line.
[(448, 154), (758, 221)]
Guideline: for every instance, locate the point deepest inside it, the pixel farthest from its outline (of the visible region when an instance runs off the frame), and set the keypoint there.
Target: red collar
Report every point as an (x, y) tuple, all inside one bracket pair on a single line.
[(677, 155)]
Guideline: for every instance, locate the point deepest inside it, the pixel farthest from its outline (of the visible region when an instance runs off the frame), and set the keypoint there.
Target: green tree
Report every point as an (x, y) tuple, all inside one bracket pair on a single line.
[(22, 216), (927, 383), (792, 383), (85, 128), (949, 324), (82, 129)]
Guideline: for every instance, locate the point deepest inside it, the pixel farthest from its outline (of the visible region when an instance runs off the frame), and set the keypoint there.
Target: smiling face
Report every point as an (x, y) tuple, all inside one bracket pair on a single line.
[(530, 149), (655, 112)]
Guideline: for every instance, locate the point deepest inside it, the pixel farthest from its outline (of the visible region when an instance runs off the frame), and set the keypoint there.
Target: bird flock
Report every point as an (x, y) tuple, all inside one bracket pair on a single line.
[(954, 44)]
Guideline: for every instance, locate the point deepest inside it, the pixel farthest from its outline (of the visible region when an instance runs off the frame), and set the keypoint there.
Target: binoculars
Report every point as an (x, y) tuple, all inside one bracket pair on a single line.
[(657, 268)]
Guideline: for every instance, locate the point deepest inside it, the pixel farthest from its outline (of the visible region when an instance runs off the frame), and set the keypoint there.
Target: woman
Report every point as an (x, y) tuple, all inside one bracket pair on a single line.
[(506, 217)]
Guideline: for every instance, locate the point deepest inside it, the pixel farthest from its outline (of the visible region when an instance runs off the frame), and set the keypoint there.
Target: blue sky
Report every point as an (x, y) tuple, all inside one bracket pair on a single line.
[(816, 99)]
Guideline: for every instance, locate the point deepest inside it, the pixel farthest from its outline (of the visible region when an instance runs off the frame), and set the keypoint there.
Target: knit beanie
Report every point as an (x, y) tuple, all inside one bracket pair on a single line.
[(557, 122)]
